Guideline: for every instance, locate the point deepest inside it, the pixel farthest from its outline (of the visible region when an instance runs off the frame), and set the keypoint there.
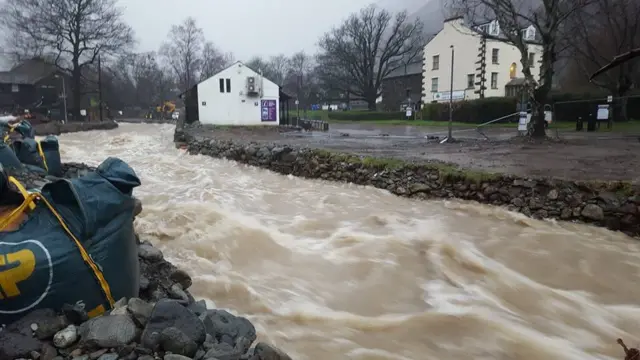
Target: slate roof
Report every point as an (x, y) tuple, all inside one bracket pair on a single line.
[(516, 82), (28, 72), (411, 69)]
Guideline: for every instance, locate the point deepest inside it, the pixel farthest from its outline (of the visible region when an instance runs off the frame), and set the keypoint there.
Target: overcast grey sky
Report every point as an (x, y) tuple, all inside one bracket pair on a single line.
[(244, 27)]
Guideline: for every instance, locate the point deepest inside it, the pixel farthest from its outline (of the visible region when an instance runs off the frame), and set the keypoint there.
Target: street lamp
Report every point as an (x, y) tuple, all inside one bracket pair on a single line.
[(450, 138), (64, 96)]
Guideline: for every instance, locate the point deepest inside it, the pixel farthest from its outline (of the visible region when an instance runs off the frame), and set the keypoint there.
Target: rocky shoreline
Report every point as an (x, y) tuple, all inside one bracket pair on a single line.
[(614, 205), (57, 128), (164, 322), (146, 121)]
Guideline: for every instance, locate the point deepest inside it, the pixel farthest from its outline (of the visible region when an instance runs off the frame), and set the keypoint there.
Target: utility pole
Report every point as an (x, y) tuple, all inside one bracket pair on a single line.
[(100, 86), (449, 137)]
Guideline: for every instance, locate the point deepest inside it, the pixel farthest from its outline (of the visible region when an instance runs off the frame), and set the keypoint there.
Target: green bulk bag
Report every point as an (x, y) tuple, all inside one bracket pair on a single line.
[(77, 245), (8, 158), (28, 153), (49, 150)]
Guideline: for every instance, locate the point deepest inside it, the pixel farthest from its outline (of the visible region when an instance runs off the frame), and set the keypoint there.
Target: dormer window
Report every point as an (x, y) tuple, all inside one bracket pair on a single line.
[(494, 28), (531, 33)]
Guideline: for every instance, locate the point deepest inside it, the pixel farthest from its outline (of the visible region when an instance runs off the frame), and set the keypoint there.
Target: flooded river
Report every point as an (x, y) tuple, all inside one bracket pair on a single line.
[(338, 271)]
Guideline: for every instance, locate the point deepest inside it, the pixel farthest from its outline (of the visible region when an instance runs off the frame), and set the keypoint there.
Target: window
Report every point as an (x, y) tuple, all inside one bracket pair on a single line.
[(494, 80), (531, 33), (436, 62), (228, 85), (494, 56), (470, 80), (532, 59), (512, 70), (15, 88), (434, 84), (221, 85)]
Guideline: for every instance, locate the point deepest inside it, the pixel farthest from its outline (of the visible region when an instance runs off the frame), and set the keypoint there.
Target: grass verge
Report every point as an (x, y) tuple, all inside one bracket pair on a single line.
[(447, 172)]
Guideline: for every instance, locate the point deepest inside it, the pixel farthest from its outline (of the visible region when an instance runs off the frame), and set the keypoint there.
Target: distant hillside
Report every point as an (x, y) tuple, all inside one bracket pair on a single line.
[(432, 15), (410, 6)]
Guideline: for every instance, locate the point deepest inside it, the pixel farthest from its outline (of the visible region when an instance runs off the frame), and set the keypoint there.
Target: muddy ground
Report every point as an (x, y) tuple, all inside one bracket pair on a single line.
[(569, 154)]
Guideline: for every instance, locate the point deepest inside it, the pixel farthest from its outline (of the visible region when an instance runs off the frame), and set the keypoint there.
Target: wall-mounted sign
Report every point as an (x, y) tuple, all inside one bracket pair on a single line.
[(269, 110), (444, 96)]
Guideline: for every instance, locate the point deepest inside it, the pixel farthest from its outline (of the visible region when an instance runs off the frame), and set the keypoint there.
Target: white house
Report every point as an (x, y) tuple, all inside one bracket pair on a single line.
[(473, 52), (237, 95)]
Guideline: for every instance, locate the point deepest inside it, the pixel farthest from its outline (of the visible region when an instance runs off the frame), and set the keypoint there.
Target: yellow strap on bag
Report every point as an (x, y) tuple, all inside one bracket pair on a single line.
[(27, 204), (30, 202), (7, 137), (41, 152), (85, 255), (22, 190)]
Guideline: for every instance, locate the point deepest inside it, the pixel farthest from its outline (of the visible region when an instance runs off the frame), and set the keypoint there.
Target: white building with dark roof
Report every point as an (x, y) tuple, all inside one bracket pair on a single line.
[(484, 66)]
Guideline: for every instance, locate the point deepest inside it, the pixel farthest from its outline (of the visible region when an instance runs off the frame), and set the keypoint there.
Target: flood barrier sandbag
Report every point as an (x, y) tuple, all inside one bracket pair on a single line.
[(25, 129), (76, 246), (28, 152), (8, 158), (49, 150)]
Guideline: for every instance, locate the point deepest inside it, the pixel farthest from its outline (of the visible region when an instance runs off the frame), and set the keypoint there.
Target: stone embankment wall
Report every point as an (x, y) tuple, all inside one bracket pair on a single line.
[(146, 121), (56, 128), (615, 205)]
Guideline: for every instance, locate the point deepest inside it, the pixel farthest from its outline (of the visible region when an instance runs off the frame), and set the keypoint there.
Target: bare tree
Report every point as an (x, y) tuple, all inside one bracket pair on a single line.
[(257, 63), (548, 18), (278, 68), (153, 85), (356, 56), (599, 32), (182, 52), (299, 78), (213, 60), (75, 32)]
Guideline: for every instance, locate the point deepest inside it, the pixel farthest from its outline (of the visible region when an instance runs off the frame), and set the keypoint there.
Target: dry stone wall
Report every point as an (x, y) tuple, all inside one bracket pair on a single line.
[(615, 205)]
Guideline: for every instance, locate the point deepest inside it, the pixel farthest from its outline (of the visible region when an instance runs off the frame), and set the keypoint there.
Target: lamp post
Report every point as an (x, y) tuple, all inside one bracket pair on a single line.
[(449, 137), (64, 97)]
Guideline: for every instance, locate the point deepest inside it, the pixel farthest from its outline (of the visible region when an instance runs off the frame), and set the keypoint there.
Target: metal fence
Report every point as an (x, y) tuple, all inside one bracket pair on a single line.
[(306, 124)]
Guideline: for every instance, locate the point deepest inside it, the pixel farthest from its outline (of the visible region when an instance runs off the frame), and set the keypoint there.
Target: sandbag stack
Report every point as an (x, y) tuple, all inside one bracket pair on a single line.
[(72, 242), (20, 148)]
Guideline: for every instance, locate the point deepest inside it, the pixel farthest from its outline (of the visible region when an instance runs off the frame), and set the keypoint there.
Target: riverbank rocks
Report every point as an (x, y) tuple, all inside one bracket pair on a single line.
[(614, 205), (153, 326)]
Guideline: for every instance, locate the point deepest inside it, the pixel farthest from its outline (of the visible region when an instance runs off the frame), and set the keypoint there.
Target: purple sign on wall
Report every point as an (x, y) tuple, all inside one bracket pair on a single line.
[(269, 110)]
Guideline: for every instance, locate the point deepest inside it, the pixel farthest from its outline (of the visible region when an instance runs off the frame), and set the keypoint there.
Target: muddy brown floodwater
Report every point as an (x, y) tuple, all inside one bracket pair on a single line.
[(332, 271), (572, 155)]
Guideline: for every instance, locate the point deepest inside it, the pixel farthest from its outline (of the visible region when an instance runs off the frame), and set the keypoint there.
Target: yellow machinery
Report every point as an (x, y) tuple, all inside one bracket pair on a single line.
[(163, 111)]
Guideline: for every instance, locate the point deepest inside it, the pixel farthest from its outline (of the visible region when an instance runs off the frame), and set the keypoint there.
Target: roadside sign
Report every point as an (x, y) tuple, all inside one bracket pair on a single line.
[(523, 121), (610, 99), (297, 102)]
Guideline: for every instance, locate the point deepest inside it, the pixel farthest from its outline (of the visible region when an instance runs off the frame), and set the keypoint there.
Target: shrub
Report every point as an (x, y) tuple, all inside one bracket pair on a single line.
[(566, 107), (365, 115), (471, 111)]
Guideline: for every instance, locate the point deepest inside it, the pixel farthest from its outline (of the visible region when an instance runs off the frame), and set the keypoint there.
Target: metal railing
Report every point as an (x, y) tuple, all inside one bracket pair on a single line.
[(477, 129)]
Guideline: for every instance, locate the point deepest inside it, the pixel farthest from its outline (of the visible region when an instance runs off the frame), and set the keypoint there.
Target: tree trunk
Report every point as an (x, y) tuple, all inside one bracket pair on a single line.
[(371, 102), (619, 108), (77, 91), (537, 118)]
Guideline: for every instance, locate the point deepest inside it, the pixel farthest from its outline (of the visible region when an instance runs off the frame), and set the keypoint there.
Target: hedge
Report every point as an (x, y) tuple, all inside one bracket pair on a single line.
[(565, 109), (365, 115)]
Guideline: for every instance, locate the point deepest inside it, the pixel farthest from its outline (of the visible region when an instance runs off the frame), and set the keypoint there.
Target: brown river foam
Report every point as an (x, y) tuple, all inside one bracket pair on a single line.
[(338, 271)]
